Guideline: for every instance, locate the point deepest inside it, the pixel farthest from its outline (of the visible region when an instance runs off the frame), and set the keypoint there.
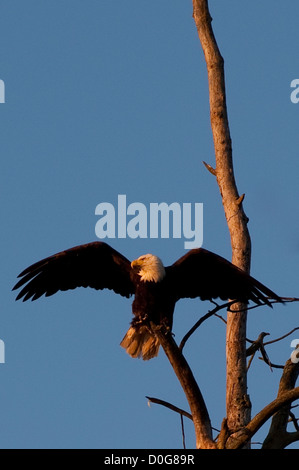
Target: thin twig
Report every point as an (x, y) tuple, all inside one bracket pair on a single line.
[(274, 366), (294, 420), (220, 318), (250, 361), (202, 319), (273, 301), (183, 432), (173, 408), (256, 345), (170, 406), (282, 337), (181, 412)]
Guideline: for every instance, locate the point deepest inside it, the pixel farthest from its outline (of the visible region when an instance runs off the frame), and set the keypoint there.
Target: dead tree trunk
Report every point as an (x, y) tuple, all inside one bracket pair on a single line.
[(237, 400)]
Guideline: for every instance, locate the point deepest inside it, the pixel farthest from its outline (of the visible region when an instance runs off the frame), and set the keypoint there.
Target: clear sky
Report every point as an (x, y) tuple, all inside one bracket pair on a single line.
[(105, 98)]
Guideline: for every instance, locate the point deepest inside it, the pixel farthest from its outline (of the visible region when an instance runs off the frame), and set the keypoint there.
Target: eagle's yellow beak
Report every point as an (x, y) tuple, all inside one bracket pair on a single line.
[(135, 263)]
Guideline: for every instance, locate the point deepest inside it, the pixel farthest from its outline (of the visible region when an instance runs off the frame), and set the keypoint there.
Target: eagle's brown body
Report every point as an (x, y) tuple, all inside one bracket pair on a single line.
[(154, 302)]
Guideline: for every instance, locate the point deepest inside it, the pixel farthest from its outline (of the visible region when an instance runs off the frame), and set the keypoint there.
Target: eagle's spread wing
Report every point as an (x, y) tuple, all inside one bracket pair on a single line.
[(95, 265), (201, 273)]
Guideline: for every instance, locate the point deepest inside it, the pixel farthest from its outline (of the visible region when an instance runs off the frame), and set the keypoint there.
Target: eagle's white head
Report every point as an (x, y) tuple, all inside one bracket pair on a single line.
[(150, 268)]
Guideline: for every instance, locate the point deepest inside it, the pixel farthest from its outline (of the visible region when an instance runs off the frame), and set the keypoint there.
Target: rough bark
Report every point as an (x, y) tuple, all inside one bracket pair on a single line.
[(238, 403)]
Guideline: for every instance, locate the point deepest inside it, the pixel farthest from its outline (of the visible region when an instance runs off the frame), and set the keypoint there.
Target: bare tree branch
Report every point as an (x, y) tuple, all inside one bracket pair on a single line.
[(281, 337), (294, 420), (201, 320), (271, 301), (181, 412), (170, 406), (257, 344), (270, 364), (183, 431)]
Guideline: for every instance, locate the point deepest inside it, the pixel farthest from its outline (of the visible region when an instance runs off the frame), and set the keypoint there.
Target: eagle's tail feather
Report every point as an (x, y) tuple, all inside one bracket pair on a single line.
[(140, 342)]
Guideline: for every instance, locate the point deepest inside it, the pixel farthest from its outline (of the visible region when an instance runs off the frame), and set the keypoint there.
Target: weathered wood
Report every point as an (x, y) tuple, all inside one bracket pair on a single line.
[(238, 403)]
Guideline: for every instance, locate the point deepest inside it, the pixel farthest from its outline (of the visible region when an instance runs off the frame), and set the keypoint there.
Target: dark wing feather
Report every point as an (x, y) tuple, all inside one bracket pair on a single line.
[(201, 273), (95, 265)]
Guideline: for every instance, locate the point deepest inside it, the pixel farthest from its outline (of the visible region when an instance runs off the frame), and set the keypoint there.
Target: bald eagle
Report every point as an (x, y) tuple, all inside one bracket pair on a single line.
[(199, 273)]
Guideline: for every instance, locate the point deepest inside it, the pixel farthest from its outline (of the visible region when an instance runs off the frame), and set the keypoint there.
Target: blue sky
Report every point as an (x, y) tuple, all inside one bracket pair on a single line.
[(106, 98)]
